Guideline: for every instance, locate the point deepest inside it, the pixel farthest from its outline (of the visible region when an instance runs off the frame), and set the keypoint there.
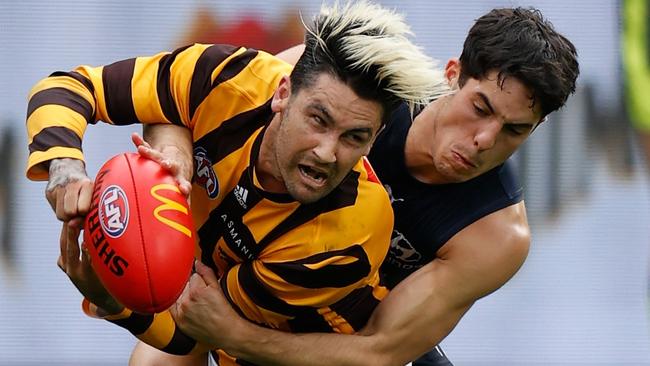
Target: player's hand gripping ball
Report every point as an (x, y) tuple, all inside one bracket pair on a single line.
[(139, 233)]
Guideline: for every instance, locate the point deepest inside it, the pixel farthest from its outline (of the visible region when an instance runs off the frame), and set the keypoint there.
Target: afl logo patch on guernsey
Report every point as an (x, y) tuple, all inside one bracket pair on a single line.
[(205, 176), (114, 211)]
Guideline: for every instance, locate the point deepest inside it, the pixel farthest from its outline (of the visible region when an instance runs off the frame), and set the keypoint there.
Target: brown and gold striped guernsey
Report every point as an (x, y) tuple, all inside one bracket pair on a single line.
[(299, 268)]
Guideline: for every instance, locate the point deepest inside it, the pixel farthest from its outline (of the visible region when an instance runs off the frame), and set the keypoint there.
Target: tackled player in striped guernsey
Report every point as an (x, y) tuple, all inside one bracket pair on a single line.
[(287, 212)]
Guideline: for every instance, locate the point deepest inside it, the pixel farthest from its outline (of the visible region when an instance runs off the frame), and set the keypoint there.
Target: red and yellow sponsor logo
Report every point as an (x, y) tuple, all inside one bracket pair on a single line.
[(169, 204)]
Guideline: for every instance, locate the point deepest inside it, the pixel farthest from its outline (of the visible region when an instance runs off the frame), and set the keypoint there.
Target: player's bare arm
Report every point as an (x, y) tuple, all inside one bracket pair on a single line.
[(429, 303)]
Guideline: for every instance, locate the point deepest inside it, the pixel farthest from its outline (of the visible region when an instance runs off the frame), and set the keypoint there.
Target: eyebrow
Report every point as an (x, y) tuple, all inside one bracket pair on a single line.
[(329, 119), (323, 111), (522, 124), (486, 101)]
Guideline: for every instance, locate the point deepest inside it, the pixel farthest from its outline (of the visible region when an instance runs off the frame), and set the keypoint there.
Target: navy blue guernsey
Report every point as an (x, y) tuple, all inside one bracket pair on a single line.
[(428, 215)]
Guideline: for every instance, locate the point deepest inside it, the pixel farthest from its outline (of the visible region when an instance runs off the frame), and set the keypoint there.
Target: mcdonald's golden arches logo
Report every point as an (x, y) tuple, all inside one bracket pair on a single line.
[(167, 205)]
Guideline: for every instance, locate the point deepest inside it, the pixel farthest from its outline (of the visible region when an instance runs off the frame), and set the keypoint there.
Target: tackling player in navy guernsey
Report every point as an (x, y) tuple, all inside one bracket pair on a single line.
[(461, 230), (427, 215)]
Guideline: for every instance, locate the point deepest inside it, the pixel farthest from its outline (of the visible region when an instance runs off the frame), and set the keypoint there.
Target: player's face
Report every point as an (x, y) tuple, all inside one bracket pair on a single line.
[(324, 130), (480, 126)]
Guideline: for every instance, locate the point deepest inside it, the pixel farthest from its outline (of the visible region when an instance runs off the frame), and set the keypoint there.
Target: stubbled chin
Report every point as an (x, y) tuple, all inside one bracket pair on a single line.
[(308, 196), (451, 175)]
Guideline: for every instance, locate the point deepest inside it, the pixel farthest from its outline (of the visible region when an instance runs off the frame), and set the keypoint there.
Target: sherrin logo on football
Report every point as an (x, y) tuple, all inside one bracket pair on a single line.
[(114, 211)]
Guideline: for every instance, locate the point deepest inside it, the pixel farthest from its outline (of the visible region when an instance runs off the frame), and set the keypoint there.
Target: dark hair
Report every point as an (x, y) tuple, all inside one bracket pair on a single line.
[(519, 42), (315, 61), (356, 44)]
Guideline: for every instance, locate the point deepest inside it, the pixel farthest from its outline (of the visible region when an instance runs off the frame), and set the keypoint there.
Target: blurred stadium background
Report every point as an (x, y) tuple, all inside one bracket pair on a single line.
[(580, 299)]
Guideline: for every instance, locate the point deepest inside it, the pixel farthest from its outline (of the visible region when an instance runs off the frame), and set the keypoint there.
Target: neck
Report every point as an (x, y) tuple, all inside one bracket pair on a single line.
[(418, 151)]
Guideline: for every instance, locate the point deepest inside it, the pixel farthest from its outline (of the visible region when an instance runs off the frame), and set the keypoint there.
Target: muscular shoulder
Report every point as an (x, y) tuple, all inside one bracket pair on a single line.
[(492, 248), (502, 229)]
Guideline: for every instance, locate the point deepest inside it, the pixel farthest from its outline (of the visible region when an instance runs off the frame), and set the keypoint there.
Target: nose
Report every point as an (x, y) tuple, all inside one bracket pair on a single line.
[(486, 135), (326, 148)]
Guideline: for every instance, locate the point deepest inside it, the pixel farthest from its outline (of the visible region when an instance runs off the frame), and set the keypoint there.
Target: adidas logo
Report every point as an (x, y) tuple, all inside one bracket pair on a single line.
[(241, 194)]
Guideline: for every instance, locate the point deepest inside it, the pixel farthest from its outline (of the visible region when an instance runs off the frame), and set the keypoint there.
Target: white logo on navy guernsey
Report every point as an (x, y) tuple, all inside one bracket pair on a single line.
[(390, 194), (241, 194), (402, 254)]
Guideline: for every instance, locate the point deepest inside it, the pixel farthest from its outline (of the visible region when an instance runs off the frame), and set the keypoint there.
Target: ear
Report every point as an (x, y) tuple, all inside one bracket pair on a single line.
[(452, 72), (281, 95)]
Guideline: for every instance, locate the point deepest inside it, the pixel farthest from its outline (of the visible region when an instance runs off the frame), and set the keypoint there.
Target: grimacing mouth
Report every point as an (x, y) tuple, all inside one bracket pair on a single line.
[(315, 174)]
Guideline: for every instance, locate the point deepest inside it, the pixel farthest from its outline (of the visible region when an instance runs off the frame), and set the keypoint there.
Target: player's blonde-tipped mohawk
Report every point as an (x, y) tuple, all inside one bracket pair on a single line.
[(372, 38)]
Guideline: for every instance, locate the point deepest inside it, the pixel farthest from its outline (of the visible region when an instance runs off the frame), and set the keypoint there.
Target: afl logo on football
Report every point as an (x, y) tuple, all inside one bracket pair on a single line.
[(114, 211)]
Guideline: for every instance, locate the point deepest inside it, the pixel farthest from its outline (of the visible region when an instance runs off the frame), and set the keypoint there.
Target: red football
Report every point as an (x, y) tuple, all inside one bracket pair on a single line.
[(139, 233)]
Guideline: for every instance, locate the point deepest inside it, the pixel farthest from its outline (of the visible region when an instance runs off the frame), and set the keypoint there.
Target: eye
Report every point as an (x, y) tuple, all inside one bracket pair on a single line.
[(480, 111), (516, 130), (317, 120), (317, 123), (357, 139)]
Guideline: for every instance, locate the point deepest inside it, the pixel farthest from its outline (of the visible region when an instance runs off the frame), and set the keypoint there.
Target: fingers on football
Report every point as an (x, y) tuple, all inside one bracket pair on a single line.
[(145, 150), (63, 244), (185, 186), (177, 170), (69, 247), (85, 197), (196, 284), (85, 258), (50, 195), (167, 162), (139, 140), (59, 202), (72, 249), (206, 273), (73, 200), (177, 308)]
